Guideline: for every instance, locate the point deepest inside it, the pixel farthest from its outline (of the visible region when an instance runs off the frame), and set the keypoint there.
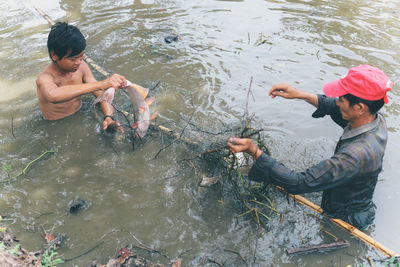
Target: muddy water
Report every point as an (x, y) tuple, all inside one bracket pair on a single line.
[(204, 78)]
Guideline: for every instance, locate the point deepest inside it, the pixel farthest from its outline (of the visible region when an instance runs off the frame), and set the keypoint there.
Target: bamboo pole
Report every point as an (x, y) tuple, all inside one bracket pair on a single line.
[(344, 225), (302, 200)]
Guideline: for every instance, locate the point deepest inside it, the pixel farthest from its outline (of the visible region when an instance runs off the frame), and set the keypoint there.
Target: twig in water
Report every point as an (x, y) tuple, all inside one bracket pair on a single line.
[(204, 131), (213, 150), (330, 234), (215, 262), (177, 138), (258, 222), (86, 252), (247, 99), (268, 206), (145, 247), (131, 130), (370, 262), (134, 237), (151, 250), (100, 242), (255, 251), (237, 253), (194, 167), (155, 86), (318, 248), (12, 127), (28, 165)]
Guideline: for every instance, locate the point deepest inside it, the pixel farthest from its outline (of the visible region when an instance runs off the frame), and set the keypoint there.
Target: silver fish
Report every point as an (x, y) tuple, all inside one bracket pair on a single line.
[(107, 95), (141, 110)]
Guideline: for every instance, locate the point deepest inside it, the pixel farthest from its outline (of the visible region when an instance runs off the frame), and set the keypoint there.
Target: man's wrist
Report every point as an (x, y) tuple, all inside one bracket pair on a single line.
[(108, 116), (255, 152), (105, 85)]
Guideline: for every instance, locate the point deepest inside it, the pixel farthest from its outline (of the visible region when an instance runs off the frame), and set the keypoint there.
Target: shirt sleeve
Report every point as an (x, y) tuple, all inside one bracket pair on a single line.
[(329, 173), (327, 106)]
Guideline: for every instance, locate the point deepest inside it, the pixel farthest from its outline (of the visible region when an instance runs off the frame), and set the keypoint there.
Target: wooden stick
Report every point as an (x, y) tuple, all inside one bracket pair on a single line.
[(318, 248), (344, 225)]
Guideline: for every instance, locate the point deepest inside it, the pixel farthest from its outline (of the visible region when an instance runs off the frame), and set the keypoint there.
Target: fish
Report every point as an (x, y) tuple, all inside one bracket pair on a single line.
[(141, 110), (107, 95), (140, 103)]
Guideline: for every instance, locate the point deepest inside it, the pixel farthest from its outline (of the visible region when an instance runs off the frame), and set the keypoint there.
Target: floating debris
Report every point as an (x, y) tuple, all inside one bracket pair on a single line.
[(77, 204), (172, 38)]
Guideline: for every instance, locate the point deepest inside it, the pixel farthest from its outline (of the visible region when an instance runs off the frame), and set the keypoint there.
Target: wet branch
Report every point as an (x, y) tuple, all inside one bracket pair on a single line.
[(177, 138), (318, 248), (247, 98), (12, 127)]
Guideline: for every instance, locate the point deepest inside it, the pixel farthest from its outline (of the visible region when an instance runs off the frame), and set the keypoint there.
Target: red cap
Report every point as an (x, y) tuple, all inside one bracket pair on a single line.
[(363, 81)]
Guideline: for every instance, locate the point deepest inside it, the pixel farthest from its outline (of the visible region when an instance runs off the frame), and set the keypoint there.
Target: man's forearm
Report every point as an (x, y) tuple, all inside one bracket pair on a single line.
[(310, 98), (68, 92), (106, 108)]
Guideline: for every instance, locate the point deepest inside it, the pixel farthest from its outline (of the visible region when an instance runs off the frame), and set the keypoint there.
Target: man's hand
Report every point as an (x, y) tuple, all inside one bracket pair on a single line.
[(237, 145), (110, 124), (285, 90), (116, 81)]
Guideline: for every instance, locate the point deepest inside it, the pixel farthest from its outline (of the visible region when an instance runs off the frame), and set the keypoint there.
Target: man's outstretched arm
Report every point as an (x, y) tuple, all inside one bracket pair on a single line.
[(289, 92), (56, 94)]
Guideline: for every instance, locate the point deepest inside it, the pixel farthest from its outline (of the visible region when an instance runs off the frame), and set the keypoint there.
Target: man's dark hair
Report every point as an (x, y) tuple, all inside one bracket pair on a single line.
[(373, 105), (65, 40)]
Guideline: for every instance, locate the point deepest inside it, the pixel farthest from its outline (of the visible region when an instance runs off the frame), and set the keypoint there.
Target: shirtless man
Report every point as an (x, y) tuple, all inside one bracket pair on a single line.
[(62, 83)]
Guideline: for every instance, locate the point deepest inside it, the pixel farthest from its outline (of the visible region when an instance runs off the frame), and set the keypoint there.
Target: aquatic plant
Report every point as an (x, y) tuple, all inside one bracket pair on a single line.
[(8, 168), (14, 251), (263, 39), (49, 257)]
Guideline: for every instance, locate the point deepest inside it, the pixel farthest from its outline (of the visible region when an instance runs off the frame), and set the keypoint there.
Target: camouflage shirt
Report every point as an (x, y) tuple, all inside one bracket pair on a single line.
[(347, 179)]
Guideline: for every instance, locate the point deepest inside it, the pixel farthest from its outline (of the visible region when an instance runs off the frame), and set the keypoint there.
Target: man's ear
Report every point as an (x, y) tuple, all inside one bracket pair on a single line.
[(363, 108), (54, 57)]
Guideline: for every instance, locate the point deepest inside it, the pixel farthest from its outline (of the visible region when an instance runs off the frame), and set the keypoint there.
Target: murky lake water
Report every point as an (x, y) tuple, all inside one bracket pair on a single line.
[(204, 78)]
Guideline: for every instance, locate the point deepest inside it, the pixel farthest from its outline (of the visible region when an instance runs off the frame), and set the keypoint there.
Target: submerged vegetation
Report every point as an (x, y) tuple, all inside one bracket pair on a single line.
[(50, 257)]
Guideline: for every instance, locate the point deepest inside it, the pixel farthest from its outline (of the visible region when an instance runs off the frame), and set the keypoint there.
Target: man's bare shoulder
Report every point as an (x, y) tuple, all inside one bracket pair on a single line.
[(87, 73), (45, 76)]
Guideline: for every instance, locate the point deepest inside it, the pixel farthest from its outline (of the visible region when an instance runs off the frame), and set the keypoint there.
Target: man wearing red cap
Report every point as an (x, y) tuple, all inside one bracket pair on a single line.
[(348, 178)]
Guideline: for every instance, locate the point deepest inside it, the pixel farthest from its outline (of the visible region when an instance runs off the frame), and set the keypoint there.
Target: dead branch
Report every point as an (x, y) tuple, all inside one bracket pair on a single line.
[(204, 131), (174, 135), (12, 127), (86, 252), (318, 248), (131, 130), (238, 254), (247, 99), (215, 262), (173, 141)]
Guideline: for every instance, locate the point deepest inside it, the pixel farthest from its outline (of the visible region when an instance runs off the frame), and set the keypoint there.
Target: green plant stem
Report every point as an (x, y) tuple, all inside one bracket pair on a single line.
[(28, 165), (271, 208)]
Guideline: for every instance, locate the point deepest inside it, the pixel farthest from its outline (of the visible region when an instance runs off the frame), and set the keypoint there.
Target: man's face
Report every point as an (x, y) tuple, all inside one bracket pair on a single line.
[(70, 64), (349, 113)]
